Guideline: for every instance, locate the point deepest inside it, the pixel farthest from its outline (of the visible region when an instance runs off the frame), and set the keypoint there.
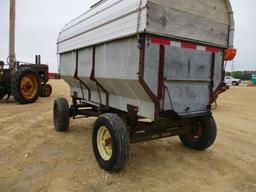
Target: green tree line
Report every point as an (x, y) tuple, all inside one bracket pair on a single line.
[(243, 75)]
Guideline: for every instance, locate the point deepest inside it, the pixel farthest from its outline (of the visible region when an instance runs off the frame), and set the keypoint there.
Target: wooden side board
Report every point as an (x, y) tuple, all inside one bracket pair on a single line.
[(171, 22)]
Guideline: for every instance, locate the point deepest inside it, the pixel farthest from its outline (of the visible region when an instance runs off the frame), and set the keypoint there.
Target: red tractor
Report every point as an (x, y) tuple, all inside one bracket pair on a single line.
[(25, 81)]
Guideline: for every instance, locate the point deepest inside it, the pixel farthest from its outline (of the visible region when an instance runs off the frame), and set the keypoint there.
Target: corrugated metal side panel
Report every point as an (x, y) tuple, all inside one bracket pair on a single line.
[(91, 12), (114, 21), (102, 17), (121, 28)]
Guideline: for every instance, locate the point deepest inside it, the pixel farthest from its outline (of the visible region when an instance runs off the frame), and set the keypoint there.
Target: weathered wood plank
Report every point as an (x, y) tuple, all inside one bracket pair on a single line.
[(171, 22), (212, 9)]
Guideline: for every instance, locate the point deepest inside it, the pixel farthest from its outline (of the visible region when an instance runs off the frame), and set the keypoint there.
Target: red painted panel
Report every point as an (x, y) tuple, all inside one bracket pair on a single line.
[(188, 45), (212, 49), (160, 41)]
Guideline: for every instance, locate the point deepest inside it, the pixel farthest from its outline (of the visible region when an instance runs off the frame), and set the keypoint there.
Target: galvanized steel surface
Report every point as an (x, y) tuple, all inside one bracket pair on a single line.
[(113, 19), (103, 62), (110, 20)]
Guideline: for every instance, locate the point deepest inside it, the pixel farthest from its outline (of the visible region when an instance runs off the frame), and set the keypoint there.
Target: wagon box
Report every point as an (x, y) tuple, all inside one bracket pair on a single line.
[(148, 68)]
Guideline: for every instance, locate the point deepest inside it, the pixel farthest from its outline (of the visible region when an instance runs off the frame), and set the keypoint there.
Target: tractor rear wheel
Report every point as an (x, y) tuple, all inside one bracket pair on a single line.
[(46, 90), (25, 85)]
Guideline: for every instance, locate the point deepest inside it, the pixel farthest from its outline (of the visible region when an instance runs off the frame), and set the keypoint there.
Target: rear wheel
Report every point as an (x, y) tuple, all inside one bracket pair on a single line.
[(203, 135), (111, 144), (46, 90), (25, 85), (61, 114), (234, 83)]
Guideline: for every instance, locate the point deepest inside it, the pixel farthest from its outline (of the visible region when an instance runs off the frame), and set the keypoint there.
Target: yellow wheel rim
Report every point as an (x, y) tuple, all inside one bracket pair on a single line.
[(196, 134), (29, 86), (104, 143)]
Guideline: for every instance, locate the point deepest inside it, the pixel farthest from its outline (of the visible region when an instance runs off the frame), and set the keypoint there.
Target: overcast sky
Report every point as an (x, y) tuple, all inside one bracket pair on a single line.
[(40, 21)]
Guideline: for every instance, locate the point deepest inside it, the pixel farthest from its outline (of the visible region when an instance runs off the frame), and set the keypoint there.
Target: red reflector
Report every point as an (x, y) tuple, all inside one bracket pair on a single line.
[(188, 45), (160, 41), (212, 49)]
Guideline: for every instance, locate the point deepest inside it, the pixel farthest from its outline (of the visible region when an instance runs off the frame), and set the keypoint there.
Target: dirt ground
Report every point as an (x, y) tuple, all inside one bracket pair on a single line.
[(33, 157)]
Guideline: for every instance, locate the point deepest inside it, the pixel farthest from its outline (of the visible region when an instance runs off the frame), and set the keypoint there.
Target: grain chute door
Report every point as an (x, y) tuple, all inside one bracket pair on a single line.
[(187, 79)]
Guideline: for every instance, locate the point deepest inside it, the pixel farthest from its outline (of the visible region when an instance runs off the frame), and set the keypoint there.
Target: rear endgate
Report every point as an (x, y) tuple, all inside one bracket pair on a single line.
[(186, 81)]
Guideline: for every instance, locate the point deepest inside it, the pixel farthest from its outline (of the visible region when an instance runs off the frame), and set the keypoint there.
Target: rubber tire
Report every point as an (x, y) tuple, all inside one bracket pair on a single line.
[(234, 83), (61, 120), (209, 133), (2, 94), (16, 81), (120, 142), (43, 91)]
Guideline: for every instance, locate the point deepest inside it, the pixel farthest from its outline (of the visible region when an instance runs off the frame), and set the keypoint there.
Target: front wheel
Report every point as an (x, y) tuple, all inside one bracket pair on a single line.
[(202, 136), (46, 90), (111, 144), (61, 114)]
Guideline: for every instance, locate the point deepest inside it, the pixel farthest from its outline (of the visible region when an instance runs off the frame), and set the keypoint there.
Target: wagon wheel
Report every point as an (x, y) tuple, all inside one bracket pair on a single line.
[(25, 85), (104, 143), (110, 142), (61, 114), (202, 136)]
